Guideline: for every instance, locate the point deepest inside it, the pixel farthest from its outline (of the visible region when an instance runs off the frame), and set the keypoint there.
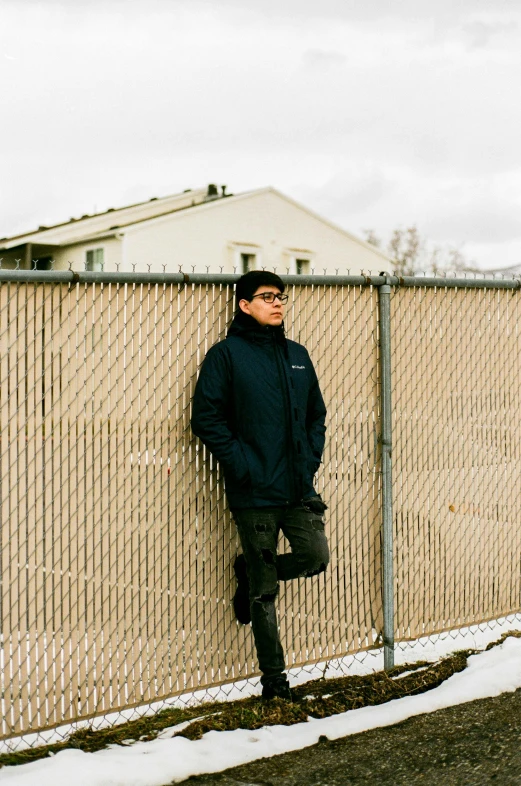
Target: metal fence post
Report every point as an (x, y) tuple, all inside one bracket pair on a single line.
[(384, 310)]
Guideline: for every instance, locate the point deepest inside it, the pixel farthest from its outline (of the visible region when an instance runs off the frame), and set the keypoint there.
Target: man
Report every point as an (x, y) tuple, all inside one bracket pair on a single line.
[(258, 408)]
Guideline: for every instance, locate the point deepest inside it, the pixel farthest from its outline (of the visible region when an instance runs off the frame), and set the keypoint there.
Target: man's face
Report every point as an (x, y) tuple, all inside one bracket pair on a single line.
[(264, 313)]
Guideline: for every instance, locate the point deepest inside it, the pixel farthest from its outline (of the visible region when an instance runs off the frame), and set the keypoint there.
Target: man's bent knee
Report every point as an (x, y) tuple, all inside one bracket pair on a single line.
[(316, 569), (321, 568), (318, 560)]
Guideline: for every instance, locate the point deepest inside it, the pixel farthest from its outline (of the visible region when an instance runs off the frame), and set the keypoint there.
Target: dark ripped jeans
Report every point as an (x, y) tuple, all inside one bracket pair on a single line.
[(259, 530)]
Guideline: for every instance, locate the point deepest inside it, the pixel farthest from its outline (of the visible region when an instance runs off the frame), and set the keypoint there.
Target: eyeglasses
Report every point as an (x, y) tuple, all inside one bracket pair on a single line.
[(269, 297)]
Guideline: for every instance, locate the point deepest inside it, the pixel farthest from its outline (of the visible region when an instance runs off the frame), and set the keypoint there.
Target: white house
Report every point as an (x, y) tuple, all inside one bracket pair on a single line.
[(203, 230)]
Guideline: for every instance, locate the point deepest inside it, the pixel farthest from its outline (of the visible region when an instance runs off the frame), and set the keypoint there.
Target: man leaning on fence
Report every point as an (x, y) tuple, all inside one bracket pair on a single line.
[(258, 408)]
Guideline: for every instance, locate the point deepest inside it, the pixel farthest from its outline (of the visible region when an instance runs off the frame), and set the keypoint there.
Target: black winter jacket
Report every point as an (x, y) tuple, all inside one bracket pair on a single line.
[(258, 408)]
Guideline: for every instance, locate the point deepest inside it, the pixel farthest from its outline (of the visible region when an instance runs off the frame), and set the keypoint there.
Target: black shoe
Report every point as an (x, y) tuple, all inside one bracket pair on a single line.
[(276, 688), (241, 599)]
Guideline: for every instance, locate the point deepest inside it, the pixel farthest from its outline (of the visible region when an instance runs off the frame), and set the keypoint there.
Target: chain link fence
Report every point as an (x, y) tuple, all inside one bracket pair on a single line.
[(456, 456), (117, 545)]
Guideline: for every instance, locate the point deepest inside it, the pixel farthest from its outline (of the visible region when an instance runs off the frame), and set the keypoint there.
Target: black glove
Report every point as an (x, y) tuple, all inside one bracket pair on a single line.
[(315, 504)]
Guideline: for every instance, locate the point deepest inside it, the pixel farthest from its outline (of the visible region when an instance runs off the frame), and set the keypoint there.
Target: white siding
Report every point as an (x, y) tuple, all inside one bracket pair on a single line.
[(74, 256), (208, 236)]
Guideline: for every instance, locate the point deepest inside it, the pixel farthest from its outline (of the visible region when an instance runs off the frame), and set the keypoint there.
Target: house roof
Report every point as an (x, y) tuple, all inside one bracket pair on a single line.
[(93, 226), (115, 221)]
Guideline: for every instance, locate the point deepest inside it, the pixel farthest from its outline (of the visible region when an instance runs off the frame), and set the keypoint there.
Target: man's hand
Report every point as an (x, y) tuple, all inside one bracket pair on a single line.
[(315, 504)]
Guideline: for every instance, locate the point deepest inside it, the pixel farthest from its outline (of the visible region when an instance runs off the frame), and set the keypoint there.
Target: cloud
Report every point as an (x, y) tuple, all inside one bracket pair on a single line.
[(319, 58), (375, 13), (364, 111), (354, 191), (483, 212), (481, 34)]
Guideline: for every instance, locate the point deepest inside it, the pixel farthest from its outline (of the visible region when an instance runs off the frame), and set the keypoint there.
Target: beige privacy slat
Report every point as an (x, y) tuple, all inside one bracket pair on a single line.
[(117, 544)]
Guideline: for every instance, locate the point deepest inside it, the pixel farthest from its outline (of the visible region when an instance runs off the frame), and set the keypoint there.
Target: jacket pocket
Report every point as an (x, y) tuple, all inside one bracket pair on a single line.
[(238, 471)]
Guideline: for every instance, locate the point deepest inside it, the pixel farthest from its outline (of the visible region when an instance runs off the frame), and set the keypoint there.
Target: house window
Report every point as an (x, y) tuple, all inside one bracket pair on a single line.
[(248, 262), (299, 261), (245, 257), (94, 259), (302, 267), (43, 263)]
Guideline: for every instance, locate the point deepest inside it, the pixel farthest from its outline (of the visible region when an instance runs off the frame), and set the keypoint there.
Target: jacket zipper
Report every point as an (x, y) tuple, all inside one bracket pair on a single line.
[(289, 424)]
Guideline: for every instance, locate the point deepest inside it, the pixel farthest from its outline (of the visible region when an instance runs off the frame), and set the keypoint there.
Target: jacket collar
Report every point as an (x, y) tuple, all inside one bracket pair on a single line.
[(248, 328)]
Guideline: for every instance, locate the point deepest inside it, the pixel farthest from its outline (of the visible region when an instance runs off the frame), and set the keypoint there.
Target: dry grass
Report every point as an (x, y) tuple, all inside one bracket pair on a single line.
[(318, 699)]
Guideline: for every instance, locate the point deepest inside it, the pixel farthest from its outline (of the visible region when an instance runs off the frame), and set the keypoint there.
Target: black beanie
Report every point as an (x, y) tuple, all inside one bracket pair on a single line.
[(249, 283)]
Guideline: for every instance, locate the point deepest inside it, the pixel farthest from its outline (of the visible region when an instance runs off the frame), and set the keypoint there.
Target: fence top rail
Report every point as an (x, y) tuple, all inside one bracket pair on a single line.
[(225, 279)]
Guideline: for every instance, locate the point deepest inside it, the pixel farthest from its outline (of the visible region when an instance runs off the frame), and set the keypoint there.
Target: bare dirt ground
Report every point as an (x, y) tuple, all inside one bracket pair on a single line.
[(469, 745)]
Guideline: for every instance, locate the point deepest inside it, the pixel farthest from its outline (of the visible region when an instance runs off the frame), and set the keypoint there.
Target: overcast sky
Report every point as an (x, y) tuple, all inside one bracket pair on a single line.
[(374, 114)]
